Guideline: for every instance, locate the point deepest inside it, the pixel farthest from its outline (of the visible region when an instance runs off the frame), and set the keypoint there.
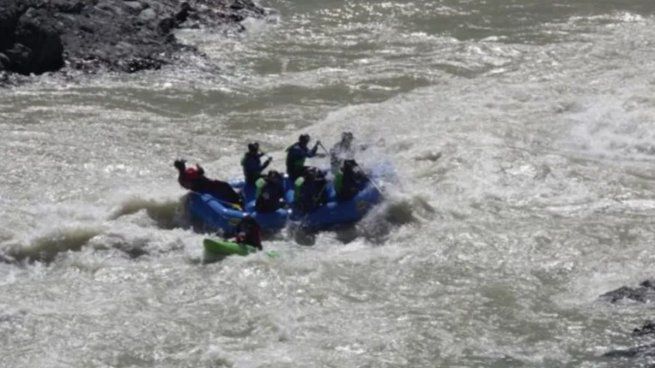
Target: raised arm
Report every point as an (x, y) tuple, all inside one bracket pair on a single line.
[(266, 163)]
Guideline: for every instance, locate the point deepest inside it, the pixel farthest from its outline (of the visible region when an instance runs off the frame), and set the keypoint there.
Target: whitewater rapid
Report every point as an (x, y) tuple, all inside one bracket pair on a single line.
[(524, 144)]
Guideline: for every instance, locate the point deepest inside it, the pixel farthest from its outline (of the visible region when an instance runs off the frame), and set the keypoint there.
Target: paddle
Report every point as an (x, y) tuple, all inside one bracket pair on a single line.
[(368, 178), (374, 184), (324, 149)]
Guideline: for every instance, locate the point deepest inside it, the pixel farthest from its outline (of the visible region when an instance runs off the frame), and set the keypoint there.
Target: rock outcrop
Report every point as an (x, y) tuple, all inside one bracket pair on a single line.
[(38, 36), (644, 293)]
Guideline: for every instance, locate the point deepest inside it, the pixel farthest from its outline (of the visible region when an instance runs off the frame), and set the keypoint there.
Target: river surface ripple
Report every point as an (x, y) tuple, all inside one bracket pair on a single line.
[(523, 132)]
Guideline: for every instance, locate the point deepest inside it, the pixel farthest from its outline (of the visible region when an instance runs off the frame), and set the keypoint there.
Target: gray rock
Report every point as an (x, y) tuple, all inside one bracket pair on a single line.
[(147, 15), (112, 7), (644, 293), (648, 328), (66, 6), (135, 5)]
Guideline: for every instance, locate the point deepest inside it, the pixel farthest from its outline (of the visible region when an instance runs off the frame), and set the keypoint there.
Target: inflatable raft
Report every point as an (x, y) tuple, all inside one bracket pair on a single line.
[(213, 214), (216, 215), (336, 213)]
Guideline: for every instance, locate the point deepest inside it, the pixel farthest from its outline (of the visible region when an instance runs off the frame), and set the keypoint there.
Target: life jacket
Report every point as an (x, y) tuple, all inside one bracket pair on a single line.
[(268, 195), (338, 182), (296, 156), (348, 183), (310, 194)]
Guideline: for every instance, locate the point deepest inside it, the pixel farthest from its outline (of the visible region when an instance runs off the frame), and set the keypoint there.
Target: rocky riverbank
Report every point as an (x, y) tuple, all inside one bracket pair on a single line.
[(38, 36)]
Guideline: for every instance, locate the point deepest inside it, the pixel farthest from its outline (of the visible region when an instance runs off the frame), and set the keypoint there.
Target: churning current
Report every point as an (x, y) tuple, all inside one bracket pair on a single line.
[(522, 133)]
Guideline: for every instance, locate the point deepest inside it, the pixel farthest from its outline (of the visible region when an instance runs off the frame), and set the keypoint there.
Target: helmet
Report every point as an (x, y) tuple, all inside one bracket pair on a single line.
[(274, 176), (347, 136), (304, 138), (179, 164), (253, 147), (349, 164), (310, 173)]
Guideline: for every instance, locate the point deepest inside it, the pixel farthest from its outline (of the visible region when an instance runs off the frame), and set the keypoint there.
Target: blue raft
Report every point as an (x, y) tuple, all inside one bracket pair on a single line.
[(216, 215), (335, 213)]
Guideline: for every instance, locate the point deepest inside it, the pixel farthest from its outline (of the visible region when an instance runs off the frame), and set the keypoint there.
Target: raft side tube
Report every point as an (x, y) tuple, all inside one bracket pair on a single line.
[(336, 213)]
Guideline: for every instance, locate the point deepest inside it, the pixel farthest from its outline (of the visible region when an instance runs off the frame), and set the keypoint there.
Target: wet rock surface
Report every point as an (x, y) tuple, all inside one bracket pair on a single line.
[(644, 293), (646, 331), (38, 36), (645, 335)]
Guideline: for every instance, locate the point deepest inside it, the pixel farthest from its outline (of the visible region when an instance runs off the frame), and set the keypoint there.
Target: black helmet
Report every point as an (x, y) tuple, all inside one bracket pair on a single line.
[(349, 164), (274, 176), (304, 138), (253, 147), (310, 173), (347, 136), (179, 164)]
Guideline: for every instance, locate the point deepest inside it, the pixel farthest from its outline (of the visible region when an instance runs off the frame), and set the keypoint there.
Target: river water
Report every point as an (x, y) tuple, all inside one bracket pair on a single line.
[(523, 134)]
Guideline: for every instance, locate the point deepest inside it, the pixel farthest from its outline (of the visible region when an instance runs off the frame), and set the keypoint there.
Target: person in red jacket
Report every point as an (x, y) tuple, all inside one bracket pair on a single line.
[(194, 179), (249, 232)]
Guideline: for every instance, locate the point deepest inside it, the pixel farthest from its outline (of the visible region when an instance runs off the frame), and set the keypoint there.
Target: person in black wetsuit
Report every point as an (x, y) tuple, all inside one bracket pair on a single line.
[(349, 180), (249, 232), (270, 192), (252, 164), (297, 154), (194, 179), (310, 190)]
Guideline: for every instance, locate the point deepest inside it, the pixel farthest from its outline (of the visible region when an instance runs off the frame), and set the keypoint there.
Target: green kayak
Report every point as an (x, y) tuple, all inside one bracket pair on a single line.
[(219, 247), (227, 248)]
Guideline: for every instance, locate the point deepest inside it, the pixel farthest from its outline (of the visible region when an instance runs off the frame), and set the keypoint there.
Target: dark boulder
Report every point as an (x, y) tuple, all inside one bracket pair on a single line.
[(10, 12), (647, 329), (4, 62), (38, 36), (644, 293), (169, 23), (42, 47)]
